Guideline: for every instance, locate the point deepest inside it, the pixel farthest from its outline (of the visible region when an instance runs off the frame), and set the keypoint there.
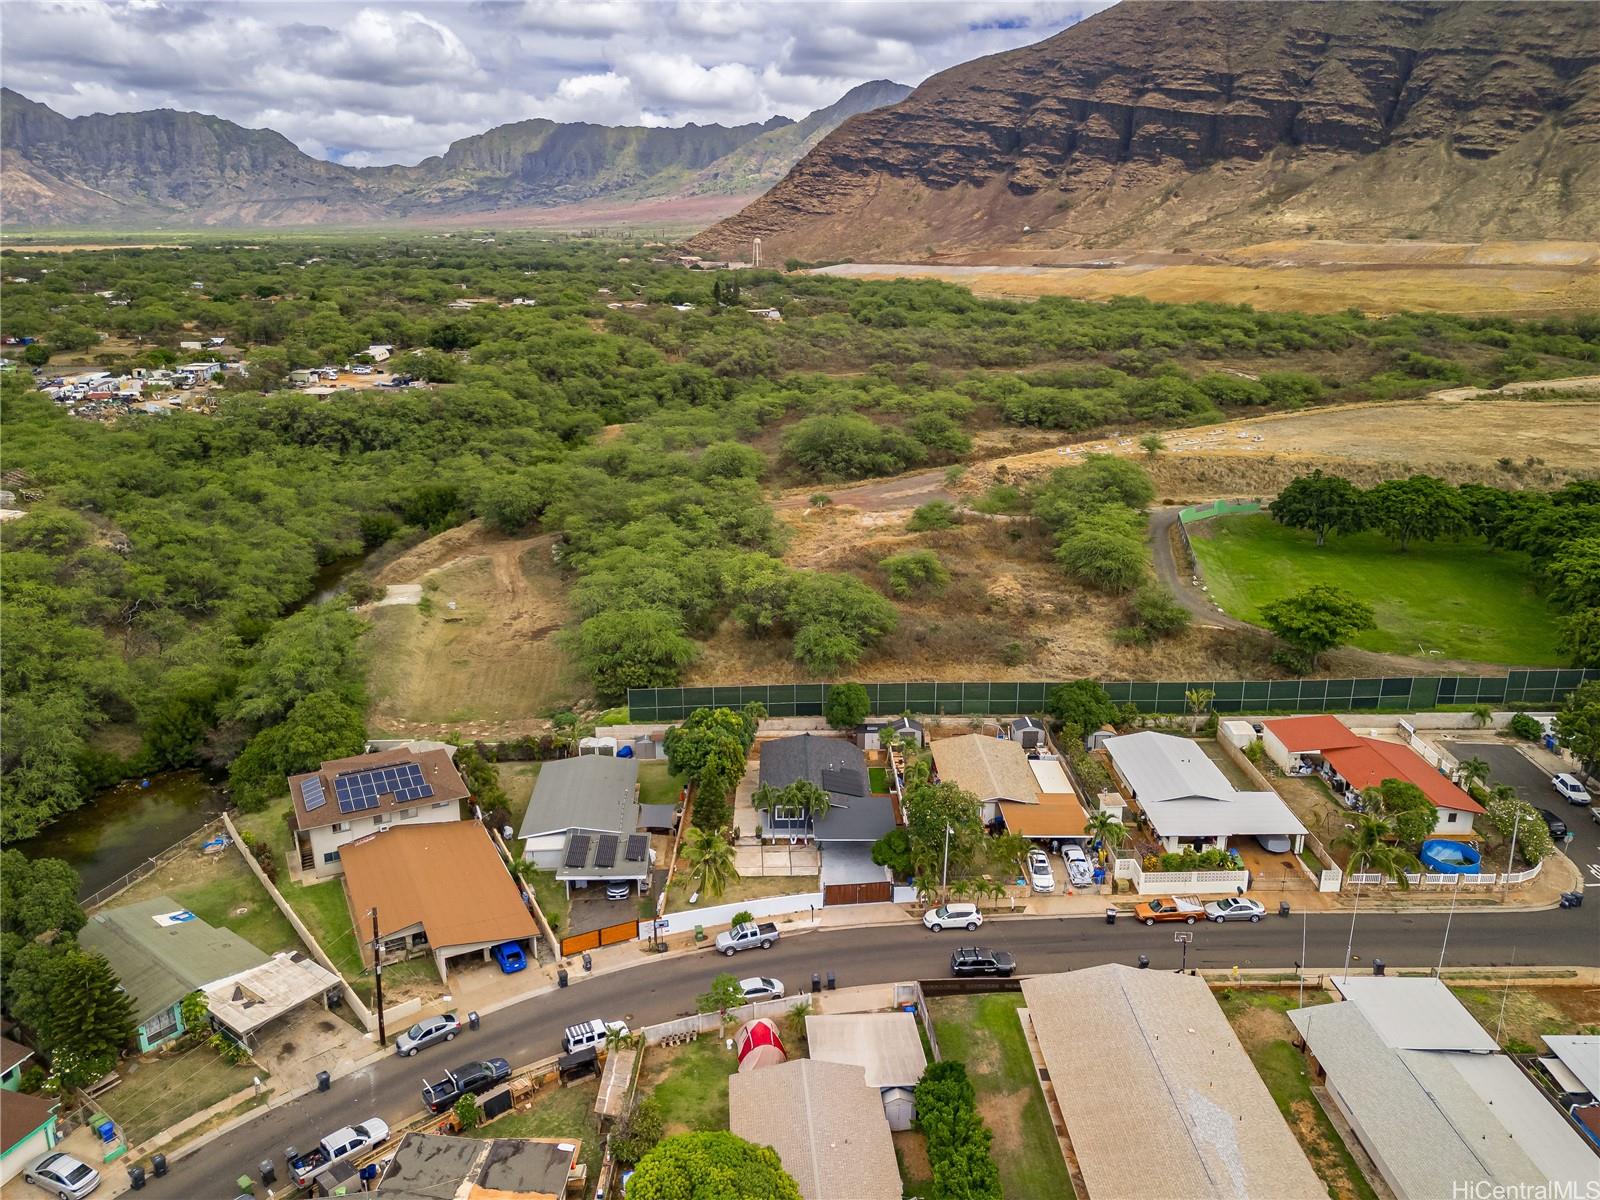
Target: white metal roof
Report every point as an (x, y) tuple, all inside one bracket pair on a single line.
[(1185, 794), (1050, 776), (1415, 1014), (885, 1045), (1581, 1056)]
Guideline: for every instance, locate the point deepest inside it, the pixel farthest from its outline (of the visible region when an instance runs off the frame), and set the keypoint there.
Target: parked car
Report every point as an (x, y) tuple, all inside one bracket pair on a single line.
[(761, 987), (965, 915), (338, 1145), (1273, 843), (1040, 877), (975, 960), (618, 890), (1557, 827), (1235, 908), (750, 935), (591, 1033), (1187, 909), (67, 1177), (511, 958), (1574, 791), (469, 1079), (427, 1032), (1080, 871)]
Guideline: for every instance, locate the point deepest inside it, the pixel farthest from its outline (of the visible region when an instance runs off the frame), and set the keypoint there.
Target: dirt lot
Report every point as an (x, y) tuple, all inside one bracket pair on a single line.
[(489, 666), (1531, 1012)]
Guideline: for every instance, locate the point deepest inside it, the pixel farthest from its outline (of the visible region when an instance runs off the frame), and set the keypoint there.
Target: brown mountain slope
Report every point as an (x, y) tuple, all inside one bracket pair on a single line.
[(1155, 124)]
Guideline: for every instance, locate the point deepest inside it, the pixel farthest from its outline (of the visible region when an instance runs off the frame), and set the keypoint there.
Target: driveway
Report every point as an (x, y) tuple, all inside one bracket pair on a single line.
[(1509, 766), (1180, 579)]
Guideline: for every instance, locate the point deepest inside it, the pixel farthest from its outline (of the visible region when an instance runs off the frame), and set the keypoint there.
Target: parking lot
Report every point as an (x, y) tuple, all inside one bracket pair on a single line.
[(1509, 766)]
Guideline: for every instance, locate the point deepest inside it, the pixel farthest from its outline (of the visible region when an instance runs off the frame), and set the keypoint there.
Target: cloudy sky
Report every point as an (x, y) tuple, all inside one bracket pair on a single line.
[(372, 83)]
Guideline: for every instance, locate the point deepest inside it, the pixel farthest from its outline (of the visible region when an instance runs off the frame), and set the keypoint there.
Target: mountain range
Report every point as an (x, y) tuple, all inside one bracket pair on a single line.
[(1163, 124), (182, 168)]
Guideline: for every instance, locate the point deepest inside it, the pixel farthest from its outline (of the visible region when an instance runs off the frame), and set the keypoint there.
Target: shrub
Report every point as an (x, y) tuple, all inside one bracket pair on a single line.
[(915, 571), (936, 514), (466, 1113), (1157, 611), (1525, 727), (958, 1140), (743, 917), (847, 705), (1013, 654), (640, 1131)]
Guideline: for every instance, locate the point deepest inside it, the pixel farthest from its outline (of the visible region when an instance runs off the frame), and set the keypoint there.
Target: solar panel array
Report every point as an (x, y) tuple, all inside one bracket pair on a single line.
[(638, 847), (605, 855), (364, 789), (843, 782), (578, 850), (311, 793)]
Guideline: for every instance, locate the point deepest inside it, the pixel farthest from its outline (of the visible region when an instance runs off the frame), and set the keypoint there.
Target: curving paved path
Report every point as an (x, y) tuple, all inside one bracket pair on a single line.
[(1178, 577)]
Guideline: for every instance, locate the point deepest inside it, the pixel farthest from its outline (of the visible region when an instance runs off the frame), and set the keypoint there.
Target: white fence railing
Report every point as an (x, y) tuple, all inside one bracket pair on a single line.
[(723, 914), (1149, 883), (688, 1028), (1446, 880)]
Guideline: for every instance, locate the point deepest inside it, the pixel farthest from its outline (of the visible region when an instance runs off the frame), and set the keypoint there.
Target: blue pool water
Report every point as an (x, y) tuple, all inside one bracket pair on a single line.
[(1449, 858)]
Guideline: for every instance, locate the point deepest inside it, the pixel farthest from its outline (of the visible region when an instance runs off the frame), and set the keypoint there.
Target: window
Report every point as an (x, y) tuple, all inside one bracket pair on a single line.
[(332, 856), (442, 803), (382, 819), (163, 1024), (408, 814), (1450, 818), (341, 826)]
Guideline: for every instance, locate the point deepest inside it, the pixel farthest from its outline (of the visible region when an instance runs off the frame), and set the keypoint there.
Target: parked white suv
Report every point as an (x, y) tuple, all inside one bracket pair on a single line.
[(1040, 877), (965, 916), (590, 1033), (1571, 790)]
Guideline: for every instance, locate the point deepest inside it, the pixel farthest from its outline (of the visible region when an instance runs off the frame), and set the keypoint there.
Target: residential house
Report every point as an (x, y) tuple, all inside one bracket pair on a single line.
[(1056, 814), (27, 1132), (1573, 1064), (1188, 800), (14, 1057), (992, 769), (1431, 1098), (595, 793), (349, 798), (431, 1166), (160, 952), (875, 735), (886, 1046), (826, 1123), (243, 1005), (1191, 1115), (1351, 763), (854, 821), (438, 888)]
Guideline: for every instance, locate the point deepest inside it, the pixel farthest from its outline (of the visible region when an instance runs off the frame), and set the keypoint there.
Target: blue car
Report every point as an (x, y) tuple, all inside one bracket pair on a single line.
[(510, 957)]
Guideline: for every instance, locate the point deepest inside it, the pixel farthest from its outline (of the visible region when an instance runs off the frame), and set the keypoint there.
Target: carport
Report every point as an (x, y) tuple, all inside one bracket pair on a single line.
[(243, 1005)]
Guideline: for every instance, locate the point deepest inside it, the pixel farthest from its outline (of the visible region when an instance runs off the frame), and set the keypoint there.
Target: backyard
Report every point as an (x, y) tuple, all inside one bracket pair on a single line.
[(985, 1033), (1523, 1014), (1457, 599), (690, 1084), (1258, 1019), (159, 1090), (558, 1112), (739, 889)]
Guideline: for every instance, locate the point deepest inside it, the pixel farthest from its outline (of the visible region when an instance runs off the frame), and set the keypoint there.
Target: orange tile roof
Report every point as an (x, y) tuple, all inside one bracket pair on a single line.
[(1371, 762), (1055, 815), (1302, 734), (448, 877)]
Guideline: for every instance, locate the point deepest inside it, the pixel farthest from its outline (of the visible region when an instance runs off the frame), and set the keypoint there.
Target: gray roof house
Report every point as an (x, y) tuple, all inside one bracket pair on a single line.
[(594, 792), (428, 1166), (1432, 1099), (839, 768), (160, 952)]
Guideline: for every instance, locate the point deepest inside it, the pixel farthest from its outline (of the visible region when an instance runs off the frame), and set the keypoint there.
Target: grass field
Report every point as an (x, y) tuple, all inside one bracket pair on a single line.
[(741, 887), (1454, 599), (1523, 1015), (657, 784), (690, 1083), (984, 1033), (160, 1090), (557, 1112), (1258, 1019)]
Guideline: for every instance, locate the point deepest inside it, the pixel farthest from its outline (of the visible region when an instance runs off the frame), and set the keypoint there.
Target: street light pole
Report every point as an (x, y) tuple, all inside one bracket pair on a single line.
[(377, 968), (944, 874), (1505, 886)]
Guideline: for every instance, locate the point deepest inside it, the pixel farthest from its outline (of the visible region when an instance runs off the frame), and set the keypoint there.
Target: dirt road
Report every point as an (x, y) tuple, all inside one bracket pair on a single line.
[(883, 495)]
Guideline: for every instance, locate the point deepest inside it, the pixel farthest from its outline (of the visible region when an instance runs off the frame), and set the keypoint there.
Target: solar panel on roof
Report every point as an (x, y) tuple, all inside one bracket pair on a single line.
[(638, 847), (605, 855), (359, 790), (311, 794), (578, 850), (845, 783)]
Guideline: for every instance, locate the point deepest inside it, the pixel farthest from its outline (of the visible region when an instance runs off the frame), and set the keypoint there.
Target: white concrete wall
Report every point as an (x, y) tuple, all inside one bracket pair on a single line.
[(1276, 750), (722, 914), (1462, 823), (544, 852)]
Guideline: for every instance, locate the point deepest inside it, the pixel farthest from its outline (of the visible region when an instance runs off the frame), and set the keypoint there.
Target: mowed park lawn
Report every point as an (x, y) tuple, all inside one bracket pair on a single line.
[(984, 1032), (1457, 599)]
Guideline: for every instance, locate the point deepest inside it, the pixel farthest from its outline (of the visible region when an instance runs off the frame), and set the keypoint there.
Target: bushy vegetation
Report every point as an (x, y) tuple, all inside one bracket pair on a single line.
[(711, 1166), (1096, 512), (958, 1140), (913, 572)]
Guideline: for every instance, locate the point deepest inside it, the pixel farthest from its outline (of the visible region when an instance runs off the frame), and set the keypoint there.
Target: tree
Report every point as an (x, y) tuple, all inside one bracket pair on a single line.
[(1371, 849), (1082, 706), (1106, 829), (711, 1166), (1580, 638), (466, 1113), (1419, 508), (1316, 620), (71, 1001), (913, 571), (1470, 771), (633, 648), (1321, 503), (1405, 807), (958, 1141), (1578, 724), (1152, 444), (1574, 574), (725, 994), (709, 854), (1157, 611), (38, 896), (931, 808), (846, 706), (1199, 702), (321, 727), (1513, 816), (1106, 550), (638, 1133), (893, 850)]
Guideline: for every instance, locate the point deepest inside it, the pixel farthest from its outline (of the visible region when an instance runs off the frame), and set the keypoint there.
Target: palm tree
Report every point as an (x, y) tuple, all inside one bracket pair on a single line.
[(1108, 830), (964, 889), (764, 797), (1372, 848), (1471, 771), (709, 854)]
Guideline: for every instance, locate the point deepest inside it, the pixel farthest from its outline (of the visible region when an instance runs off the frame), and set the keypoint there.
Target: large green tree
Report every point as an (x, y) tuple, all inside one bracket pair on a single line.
[(1420, 508), (711, 1166), (72, 1002), (633, 648), (1578, 724), (38, 896), (1321, 503), (1083, 705), (1316, 620), (846, 706), (931, 808)]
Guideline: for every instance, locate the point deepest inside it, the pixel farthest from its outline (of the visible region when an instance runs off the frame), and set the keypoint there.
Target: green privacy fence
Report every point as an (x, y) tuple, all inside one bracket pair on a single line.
[(1218, 508), (1411, 693)]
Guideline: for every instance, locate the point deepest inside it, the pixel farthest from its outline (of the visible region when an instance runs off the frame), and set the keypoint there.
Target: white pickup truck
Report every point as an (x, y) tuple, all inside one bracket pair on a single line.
[(747, 937), (338, 1145)]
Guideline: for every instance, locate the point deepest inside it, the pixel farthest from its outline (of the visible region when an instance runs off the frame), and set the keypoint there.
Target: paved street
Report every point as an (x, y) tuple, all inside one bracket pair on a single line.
[(665, 988), (1507, 765)]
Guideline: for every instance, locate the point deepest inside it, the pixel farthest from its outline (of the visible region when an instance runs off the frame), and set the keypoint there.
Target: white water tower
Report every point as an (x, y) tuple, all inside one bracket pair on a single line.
[(755, 252)]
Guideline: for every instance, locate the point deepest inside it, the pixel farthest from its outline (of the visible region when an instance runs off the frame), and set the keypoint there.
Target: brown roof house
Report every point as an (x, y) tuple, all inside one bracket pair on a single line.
[(430, 1166), (348, 798), (826, 1123), (992, 769), (441, 888)]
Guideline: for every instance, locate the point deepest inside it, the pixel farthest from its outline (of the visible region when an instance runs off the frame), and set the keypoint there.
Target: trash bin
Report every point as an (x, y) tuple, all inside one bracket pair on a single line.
[(1144, 962), (561, 977), (816, 982), (472, 1021), (588, 963), (1283, 908), (158, 1165), (324, 1081), (269, 1172), (1111, 916), (832, 984), (136, 1178), (104, 1126), (1377, 966)]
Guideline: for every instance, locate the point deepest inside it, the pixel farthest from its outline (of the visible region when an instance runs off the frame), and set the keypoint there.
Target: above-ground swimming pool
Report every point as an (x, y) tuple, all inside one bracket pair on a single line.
[(1449, 858)]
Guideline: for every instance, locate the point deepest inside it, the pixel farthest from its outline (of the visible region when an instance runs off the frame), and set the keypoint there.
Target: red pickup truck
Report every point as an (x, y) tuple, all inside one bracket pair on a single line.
[(1187, 909)]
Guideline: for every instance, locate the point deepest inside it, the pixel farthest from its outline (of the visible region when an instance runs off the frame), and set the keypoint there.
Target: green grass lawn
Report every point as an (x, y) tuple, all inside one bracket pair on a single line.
[(158, 1091), (879, 777), (743, 887), (558, 1112), (236, 901), (516, 781), (1459, 598), (552, 896), (984, 1033), (1258, 1019), (658, 785), (690, 1083)]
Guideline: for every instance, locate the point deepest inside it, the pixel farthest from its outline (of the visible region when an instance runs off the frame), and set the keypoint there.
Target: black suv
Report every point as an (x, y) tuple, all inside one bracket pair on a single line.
[(469, 1079), (1556, 826), (974, 960)]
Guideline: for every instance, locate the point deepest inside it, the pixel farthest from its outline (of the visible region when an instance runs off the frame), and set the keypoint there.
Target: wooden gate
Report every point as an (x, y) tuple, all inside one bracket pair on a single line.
[(611, 935), (858, 893)]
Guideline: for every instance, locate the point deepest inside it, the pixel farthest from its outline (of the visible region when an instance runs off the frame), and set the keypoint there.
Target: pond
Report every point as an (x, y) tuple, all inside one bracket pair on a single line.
[(123, 826)]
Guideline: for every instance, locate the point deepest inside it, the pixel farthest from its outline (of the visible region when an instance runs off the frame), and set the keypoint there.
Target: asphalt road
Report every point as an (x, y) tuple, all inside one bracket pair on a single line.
[(665, 988), (1510, 767)]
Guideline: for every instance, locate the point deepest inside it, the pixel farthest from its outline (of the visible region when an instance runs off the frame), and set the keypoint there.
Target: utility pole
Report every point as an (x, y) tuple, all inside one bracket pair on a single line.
[(1439, 970), (377, 967), (944, 875), (1505, 886)]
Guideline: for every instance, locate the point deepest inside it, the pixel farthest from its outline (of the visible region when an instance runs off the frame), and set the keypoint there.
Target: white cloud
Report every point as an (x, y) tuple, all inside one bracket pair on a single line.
[(371, 83)]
